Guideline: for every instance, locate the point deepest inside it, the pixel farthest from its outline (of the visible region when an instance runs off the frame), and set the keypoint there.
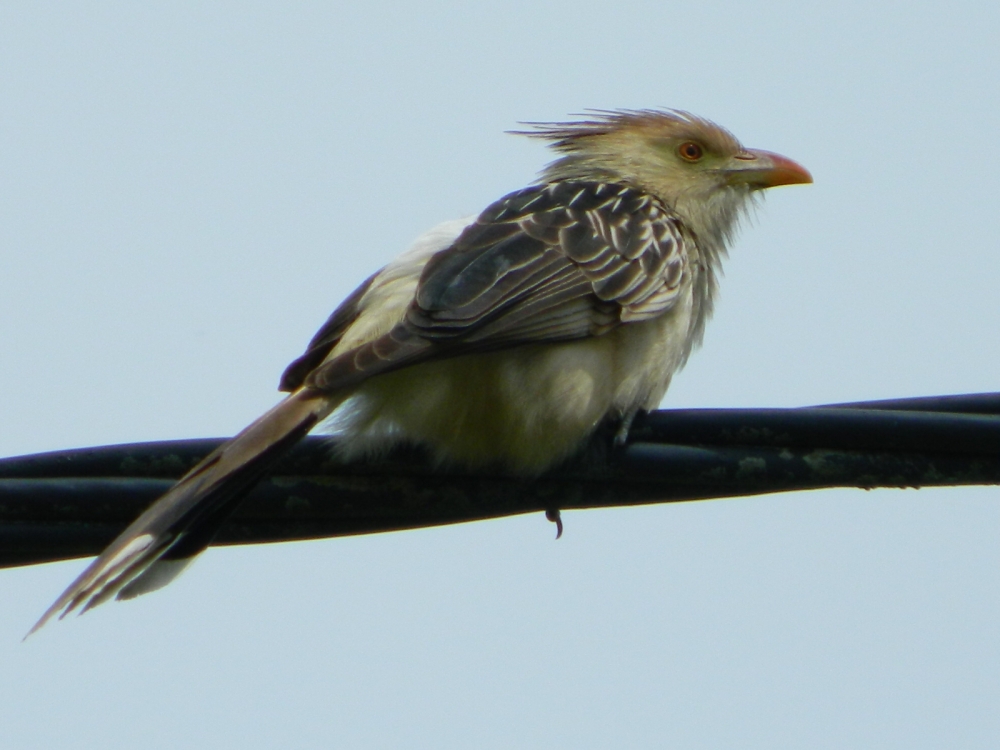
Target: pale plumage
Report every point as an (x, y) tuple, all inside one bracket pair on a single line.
[(501, 341)]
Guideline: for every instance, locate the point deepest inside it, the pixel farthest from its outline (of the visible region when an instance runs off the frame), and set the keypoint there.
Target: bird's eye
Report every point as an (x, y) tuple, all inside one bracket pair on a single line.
[(691, 151)]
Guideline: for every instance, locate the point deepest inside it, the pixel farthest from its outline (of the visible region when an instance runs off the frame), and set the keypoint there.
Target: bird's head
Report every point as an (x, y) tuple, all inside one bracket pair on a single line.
[(694, 166)]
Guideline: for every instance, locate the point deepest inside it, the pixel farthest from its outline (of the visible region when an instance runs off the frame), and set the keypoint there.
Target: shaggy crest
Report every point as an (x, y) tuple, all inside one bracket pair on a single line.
[(574, 136)]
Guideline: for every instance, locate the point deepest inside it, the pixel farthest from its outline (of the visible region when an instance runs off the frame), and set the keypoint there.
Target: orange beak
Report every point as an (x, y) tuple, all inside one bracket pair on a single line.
[(763, 169)]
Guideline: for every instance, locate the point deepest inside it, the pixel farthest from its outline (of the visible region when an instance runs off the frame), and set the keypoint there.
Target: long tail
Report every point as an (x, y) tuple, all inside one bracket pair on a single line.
[(167, 536)]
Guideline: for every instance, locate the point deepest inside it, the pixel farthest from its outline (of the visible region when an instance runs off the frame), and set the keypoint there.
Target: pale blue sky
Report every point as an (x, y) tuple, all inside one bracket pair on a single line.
[(187, 190)]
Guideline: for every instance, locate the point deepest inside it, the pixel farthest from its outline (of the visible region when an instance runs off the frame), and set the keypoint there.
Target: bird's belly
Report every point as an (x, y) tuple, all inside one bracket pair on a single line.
[(524, 408)]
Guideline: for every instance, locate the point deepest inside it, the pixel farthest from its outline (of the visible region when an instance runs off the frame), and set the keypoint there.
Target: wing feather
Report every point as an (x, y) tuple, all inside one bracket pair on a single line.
[(326, 339), (554, 262)]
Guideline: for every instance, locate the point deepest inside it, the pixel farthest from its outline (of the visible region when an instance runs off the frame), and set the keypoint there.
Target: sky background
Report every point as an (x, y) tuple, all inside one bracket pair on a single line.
[(188, 189)]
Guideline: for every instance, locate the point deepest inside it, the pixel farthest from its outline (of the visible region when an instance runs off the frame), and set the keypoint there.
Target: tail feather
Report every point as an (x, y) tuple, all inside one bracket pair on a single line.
[(155, 577), (159, 543)]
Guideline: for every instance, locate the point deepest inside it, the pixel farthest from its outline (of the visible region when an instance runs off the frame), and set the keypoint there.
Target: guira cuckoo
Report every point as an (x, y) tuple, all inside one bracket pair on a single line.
[(501, 340)]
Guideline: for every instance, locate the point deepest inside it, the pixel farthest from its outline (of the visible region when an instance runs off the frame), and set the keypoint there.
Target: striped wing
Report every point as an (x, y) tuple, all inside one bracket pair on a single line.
[(555, 262)]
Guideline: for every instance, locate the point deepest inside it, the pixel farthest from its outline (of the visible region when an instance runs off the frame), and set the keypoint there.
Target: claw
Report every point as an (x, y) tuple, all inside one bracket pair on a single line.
[(555, 516)]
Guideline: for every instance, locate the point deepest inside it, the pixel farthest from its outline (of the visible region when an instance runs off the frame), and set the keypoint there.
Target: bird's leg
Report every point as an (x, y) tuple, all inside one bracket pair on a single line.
[(553, 514), (621, 436)]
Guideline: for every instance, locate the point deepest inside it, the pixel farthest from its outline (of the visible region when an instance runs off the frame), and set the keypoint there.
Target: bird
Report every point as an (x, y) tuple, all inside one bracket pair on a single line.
[(502, 340)]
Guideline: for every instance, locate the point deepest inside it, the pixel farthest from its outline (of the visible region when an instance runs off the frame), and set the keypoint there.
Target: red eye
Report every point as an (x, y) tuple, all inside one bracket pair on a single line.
[(691, 151)]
